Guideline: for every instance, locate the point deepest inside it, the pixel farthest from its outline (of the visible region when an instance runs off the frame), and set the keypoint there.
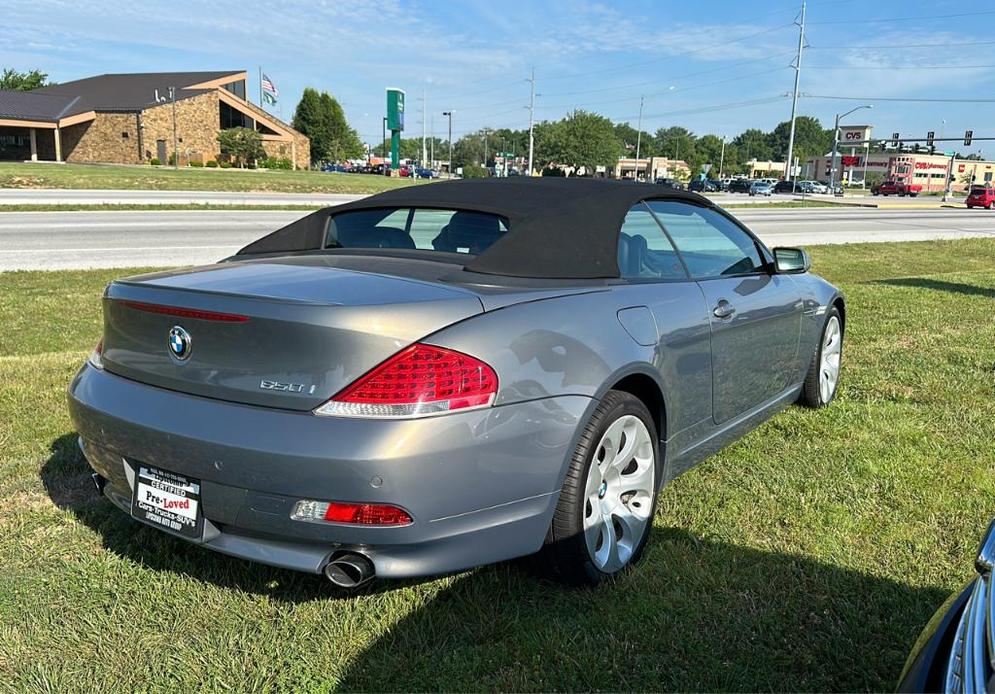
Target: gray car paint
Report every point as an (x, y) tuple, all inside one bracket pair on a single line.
[(481, 485)]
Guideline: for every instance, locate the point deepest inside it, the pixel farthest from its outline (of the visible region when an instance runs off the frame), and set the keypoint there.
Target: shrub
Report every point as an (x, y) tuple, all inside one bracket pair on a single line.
[(154, 161), (197, 164), (474, 171), (278, 163), (211, 164), (225, 165)]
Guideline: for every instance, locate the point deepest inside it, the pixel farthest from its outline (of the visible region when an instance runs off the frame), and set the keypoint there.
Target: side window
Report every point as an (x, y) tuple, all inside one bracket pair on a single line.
[(711, 245), (644, 251)]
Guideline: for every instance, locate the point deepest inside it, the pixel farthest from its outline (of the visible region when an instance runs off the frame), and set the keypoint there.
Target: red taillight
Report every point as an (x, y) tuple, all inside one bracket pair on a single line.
[(185, 312), (354, 514), (96, 356), (422, 379)]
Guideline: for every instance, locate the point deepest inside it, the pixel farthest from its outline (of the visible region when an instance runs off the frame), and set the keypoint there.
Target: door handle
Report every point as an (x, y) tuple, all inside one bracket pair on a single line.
[(723, 310)]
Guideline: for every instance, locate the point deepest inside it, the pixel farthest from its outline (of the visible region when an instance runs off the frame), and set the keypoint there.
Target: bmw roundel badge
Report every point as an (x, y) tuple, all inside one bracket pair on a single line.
[(179, 343)]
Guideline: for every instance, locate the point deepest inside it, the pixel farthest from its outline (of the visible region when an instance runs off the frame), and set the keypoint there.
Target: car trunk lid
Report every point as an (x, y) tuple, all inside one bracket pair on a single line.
[(269, 333)]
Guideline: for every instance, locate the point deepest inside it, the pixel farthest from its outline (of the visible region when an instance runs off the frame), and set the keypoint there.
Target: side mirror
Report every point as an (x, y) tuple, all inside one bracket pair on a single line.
[(792, 261)]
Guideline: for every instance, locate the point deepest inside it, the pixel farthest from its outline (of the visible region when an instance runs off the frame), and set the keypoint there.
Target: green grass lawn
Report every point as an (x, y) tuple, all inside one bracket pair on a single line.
[(21, 175), (806, 557)]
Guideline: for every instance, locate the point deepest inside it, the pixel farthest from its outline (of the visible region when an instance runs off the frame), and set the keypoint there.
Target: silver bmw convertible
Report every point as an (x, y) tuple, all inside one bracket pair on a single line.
[(448, 375)]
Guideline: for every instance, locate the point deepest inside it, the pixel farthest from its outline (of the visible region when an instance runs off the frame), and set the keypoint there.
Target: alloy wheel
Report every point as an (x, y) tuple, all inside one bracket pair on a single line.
[(618, 495), (829, 367)]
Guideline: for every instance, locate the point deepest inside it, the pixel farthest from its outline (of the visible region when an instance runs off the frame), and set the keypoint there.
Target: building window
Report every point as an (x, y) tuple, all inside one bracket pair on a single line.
[(125, 135), (236, 88)]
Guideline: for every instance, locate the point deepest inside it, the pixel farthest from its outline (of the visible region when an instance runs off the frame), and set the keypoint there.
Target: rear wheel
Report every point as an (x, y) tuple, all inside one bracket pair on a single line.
[(605, 510), (823, 376)]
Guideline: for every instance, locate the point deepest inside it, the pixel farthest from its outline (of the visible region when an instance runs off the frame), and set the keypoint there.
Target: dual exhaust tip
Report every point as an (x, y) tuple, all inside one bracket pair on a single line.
[(349, 570)]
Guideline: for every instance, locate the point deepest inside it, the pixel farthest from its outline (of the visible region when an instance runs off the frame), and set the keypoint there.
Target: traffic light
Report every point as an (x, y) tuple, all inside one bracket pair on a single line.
[(929, 138), (895, 137), (968, 134)]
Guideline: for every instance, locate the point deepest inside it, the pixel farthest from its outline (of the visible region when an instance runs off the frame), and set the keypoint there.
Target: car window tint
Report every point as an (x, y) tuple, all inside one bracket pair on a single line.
[(450, 231), (710, 244), (644, 251)]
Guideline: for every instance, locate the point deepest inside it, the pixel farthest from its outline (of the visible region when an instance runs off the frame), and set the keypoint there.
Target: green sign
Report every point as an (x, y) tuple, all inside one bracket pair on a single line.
[(395, 109)]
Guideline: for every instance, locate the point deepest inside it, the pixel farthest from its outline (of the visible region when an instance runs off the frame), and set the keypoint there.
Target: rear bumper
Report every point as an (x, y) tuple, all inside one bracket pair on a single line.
[(481, 486)]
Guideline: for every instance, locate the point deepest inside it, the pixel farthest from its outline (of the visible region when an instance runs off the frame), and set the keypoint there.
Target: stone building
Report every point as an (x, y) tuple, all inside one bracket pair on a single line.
[(128, 119)]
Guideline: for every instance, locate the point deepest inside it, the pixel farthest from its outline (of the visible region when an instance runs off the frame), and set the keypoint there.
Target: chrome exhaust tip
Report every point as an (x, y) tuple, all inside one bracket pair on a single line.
[(350, 570)]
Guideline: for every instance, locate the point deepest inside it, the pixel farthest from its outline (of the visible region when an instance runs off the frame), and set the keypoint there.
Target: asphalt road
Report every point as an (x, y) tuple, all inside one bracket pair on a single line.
[(72, 240)]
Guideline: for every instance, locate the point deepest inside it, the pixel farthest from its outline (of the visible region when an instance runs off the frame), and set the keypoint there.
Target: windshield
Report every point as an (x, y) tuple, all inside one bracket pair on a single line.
[(447, 231), (978, 190)]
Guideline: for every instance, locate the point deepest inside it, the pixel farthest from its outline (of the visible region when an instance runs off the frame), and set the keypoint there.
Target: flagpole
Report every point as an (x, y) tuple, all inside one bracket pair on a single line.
[(260, 86)]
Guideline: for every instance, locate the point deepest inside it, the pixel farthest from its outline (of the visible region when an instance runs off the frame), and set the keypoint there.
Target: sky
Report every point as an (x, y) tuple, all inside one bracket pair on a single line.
[(713, 67)]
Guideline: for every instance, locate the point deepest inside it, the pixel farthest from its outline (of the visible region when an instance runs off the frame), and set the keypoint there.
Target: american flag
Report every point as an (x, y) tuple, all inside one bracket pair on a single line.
[(270, 92)]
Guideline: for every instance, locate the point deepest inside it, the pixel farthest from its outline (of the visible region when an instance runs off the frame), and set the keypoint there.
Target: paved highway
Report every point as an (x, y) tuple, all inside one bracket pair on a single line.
[(65, 240)]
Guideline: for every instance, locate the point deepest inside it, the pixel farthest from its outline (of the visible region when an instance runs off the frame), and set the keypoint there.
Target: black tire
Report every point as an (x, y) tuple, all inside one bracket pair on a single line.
[(565, 555), (811, 395)]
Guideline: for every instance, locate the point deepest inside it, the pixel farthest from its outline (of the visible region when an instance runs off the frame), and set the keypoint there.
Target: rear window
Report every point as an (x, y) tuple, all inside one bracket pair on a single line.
[(977, 190), (447, 231)]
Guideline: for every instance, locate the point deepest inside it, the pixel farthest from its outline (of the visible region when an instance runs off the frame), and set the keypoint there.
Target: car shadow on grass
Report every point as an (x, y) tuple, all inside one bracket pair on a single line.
[(696, 614), (940, 285)]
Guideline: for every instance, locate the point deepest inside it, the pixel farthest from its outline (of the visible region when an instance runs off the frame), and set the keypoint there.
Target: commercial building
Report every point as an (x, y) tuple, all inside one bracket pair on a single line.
[(926, 170), (652, 168), (765, 169), (129, 119)]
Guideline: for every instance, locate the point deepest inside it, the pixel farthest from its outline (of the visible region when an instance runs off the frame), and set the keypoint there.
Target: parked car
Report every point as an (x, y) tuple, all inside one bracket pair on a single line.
[(423, 172), (334, 168), (785, 187), (892, 187), (981, 196), (346, 397), (706, 186), (761, 188), (740, 185), (671, 183), (953, 653)]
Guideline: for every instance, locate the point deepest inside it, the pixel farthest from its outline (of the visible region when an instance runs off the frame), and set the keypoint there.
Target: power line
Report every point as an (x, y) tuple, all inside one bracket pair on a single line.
[(904, 19), (896, 45), (898, 67), (714, 107), (899, 99)]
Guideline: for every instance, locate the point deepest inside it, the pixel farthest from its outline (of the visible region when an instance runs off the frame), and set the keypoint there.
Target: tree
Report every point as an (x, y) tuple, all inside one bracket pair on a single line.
[(707, 150), (321, 118), (811, 139), (676, 143), (753, 144), (11, 79), (343, 141), (243, 144), (582, 139), (628, 137)]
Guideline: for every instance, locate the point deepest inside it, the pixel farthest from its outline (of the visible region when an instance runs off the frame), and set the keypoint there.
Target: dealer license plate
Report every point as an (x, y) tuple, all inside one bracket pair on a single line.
[(168, 500)]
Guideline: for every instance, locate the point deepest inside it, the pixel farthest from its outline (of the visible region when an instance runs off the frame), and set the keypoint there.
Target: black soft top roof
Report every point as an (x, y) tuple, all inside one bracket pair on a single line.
[(563, 228)]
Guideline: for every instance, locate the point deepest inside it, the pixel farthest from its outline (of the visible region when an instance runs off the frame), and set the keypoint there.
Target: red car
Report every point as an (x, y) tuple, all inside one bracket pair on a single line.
[(899, 188), (981, 196)]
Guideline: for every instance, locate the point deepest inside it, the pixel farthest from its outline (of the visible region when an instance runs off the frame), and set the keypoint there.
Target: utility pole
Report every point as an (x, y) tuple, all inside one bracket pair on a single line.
[(532, 107), (639, 137), (485, 132), (794, 95), (176, 142), (431, 140), (424, 100), (722, 157), (449, 115)]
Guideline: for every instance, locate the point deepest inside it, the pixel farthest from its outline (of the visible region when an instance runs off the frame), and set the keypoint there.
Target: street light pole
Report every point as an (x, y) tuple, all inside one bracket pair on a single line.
[(176, 143), (449, 115), (532, 107), (639, 138), (836, 143), (722, 157)]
